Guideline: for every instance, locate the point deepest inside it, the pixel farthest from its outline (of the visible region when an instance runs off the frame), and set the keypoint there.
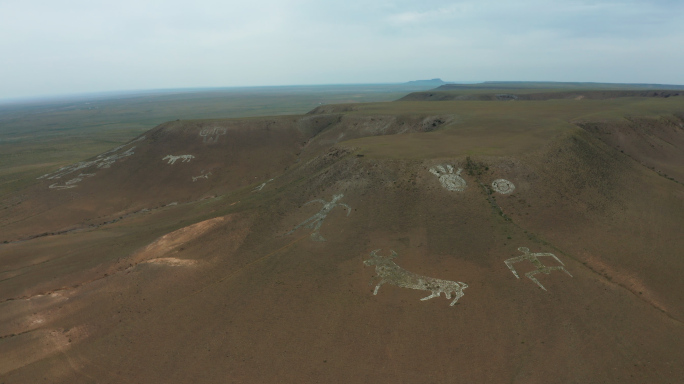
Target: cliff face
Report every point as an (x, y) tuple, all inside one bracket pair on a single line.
[(217, 250)]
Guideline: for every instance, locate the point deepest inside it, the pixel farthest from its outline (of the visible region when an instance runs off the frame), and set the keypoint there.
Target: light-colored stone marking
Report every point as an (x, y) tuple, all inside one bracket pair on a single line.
[(71, 183), (100, 162), (69, 169), (211, 135), (172, 159), (449, 180), (171, 261), (533, 258), (314, 222), (57, 186), (503, 186), (389, 272), (261, 186), (107, 162), (141, 138), (202, 176)]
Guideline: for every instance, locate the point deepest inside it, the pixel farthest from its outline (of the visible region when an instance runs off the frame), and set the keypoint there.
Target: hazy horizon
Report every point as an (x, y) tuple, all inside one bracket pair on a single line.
[(78, 47), (127, 92), (108, 94)]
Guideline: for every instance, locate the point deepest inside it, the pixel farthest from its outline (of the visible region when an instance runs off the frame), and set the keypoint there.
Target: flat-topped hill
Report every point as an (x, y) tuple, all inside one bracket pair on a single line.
[(532, 86), (245, 249), (522, 91)]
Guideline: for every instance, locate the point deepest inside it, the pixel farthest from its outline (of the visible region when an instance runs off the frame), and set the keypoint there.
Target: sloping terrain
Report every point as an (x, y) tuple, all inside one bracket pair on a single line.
[(244, 250)]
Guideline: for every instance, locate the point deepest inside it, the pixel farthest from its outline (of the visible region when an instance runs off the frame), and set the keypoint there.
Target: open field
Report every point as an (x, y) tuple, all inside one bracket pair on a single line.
[(330, 247)]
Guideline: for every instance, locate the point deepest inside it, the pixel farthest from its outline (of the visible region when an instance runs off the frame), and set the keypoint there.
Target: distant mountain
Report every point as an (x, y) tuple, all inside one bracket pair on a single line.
[(435, 82)]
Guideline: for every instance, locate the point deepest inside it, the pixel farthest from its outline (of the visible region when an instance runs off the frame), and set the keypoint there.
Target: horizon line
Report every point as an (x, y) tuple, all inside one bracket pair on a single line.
[(150, 91)]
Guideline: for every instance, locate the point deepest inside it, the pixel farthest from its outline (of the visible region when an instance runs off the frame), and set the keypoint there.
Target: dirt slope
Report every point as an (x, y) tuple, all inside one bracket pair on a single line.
[(229, 284)]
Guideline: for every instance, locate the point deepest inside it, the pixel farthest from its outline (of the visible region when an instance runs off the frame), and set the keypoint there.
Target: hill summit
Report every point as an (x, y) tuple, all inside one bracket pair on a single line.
[(434, 82)]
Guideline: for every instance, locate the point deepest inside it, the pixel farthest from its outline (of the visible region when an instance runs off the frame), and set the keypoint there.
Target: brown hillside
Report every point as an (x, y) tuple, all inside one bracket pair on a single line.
[(229, 284)]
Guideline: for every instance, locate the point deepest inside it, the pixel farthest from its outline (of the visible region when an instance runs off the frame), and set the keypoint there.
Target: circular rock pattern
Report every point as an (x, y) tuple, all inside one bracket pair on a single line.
[(503, 186), (453, 182), (449, 180)]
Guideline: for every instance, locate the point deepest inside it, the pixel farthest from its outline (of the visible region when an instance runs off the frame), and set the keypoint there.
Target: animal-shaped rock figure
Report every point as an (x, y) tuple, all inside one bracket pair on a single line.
[(172, 159), (201, 176), (389, 272), (314, 222), (534, 259), (449, 180)]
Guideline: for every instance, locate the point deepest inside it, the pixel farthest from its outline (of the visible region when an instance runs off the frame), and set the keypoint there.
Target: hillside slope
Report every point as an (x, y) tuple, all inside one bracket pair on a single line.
[(251, 259)]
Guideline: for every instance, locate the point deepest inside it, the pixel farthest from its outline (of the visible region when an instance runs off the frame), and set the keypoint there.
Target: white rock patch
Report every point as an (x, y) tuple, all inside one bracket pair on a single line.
[(172, 159), (449, 180), (534, 259), (211, 135), (172, 262), (261, 186), (389, 272), (202, 176), (503, 186), (104, 160), (314, 222)]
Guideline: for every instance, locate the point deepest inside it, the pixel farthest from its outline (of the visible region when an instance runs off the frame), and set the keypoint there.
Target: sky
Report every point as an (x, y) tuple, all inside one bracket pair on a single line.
[(78, 46)]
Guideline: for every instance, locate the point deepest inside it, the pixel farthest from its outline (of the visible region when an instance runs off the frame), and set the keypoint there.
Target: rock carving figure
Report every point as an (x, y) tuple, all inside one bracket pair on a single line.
[(71, 183), (503, 186), (202, 176), (99, 162), (172, 159), (389, 272), (141, 138), (261, 186), (107, 162), (103, 160), (314, 222), (533, 258), (211, 135), (67, 185), (450, 180)]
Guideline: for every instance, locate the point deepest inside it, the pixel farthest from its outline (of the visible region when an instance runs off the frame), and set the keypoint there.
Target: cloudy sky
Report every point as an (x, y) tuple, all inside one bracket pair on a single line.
[(72, 46)]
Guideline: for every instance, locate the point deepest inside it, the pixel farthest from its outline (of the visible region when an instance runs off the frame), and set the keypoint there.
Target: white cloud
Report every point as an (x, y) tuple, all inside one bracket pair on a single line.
[(77, 46)]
